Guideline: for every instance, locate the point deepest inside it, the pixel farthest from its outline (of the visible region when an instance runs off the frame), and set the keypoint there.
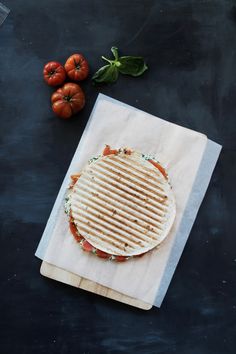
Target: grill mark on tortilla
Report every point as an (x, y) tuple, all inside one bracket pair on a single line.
[(134, 229), (118, 191), (121, 232), (140, 168), (104, 197), (109, 235), (115, 217), (94, 239), (130, 184), (126, 188), (123, 206), (133, 180), (129, 169), (108, 207), (101, 193), (117, 176)]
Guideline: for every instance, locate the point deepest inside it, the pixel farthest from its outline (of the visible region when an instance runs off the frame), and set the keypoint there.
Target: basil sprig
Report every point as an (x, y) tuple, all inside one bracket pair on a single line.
[(128, 65)]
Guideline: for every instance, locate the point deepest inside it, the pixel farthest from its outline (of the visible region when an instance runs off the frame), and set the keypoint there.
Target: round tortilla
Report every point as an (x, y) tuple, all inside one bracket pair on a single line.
[(122, 204)]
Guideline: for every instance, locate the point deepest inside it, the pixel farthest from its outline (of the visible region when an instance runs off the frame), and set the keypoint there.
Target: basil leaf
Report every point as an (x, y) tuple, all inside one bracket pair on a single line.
[(134, 66), (128, 65), (106, 74), (115, 52)]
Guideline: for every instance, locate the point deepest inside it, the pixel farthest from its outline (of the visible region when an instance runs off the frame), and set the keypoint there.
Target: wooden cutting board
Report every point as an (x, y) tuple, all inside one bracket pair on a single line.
[(180, 149), (55, 273)]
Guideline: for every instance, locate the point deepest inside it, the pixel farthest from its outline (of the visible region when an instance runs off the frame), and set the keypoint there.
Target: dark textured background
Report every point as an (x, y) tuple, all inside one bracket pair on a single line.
[(190, 47)]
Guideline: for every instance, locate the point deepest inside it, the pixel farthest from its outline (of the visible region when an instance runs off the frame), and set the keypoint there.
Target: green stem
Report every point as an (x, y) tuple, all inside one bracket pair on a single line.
[(109, 61)]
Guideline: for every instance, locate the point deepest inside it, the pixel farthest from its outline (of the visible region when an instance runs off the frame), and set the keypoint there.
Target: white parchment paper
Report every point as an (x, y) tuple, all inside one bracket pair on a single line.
[(181, 151)]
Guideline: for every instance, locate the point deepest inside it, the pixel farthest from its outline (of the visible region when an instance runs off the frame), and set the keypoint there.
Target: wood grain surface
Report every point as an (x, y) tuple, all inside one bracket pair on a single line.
[(53, 272)]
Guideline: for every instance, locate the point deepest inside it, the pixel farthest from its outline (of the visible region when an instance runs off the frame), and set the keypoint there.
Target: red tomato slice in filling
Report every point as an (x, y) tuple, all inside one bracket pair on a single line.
[(87, 247), (160, 168), (109, 151), (102, 254)]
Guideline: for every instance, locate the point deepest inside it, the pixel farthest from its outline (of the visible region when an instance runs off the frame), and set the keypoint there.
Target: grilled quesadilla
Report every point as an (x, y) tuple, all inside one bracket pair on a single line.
[(121, 205)]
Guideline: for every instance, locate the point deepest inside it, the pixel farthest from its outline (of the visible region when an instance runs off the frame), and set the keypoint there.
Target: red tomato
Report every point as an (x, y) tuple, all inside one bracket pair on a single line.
[(74, 179), (74, 232), (120, 258), (160, 168), (68, 100), (102, 254), (141, 255), (87, 247), (54, 73), (77, 67), (108, 151)]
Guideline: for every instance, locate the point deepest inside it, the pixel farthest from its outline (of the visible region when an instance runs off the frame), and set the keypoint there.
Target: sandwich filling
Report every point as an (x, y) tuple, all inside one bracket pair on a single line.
[(121, 205)]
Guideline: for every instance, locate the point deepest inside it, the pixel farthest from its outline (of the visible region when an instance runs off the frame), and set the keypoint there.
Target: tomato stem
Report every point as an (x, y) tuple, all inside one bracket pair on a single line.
[(109, 61), (67, 98), (77, 65)]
